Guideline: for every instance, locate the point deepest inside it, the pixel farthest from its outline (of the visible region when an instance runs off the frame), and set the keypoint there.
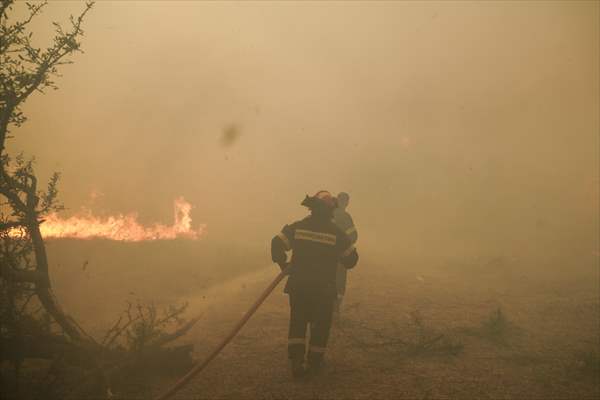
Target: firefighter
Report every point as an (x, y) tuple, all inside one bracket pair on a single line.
[(317, 246), (344, 221)]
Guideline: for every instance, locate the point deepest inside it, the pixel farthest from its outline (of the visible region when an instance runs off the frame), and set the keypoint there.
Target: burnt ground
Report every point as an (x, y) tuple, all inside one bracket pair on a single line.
[(496, 334), (485, 329)]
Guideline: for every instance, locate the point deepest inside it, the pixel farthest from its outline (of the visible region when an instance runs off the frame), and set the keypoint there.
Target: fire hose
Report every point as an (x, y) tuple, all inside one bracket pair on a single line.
[(201, 365)]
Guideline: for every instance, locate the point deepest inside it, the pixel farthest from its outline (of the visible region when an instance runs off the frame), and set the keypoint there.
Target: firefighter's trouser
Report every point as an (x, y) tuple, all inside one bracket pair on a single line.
[(314, 310), (340, 280)]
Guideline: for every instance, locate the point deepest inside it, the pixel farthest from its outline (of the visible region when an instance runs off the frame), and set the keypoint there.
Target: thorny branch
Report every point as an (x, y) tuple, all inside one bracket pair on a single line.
[(25, 68)]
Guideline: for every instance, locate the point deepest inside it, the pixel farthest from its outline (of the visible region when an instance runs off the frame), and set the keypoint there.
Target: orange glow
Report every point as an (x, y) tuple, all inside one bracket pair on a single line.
[(121, 227)]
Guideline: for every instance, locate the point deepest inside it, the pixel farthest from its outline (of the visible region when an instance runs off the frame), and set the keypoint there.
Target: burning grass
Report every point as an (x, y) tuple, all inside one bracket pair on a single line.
[(120, 227)]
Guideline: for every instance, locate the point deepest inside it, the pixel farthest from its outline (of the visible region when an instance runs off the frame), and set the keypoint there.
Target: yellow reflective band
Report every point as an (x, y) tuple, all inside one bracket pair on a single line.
[(285, 240), (318, 237), (348, 251), (317, 349), (293, 341), (350, 230)]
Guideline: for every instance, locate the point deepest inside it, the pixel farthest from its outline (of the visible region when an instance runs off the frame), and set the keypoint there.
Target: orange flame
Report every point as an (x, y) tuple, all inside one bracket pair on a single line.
[(121, 227)]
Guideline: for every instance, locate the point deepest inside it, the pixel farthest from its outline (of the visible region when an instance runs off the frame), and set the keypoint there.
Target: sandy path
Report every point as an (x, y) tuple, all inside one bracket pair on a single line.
[(553, 322)]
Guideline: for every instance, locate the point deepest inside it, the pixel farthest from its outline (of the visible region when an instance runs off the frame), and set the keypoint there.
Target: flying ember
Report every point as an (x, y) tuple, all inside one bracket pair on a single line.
[(121, 227)]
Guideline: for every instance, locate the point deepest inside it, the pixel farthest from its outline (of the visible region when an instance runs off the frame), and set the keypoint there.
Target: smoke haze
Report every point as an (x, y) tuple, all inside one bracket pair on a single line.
[(454, 126), (466, 133)]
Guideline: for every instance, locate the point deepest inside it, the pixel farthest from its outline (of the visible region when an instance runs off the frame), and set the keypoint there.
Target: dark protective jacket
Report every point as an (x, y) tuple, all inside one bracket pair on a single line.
[(343, 219), (317, 245)]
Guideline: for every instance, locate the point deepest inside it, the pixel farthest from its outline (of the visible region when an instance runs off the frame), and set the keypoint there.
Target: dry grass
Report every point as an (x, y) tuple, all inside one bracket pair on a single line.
[(497, 333)]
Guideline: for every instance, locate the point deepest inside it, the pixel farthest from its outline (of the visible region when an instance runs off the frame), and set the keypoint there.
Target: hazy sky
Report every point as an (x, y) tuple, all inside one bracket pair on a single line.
[(454, 123)]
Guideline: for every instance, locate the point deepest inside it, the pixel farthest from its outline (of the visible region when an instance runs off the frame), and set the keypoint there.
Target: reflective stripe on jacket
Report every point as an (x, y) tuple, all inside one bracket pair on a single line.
[(317, 246)]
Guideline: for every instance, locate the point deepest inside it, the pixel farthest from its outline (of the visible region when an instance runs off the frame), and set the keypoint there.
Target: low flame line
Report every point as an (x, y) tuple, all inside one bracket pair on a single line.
[(120, 227)]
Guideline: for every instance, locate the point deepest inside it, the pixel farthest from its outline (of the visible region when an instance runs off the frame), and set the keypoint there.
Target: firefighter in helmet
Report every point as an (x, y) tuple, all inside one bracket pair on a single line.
[(344, 221), (317, 246)]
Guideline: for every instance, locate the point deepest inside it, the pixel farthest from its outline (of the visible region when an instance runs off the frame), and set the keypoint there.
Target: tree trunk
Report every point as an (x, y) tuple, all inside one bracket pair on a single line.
[(43, 287)]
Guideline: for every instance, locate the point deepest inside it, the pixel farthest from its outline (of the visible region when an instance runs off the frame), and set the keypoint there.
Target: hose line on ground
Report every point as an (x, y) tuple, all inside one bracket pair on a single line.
[(201, 365)]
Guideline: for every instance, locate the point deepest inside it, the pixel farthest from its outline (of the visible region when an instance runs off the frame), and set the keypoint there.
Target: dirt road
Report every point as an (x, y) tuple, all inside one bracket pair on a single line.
[(417, 334)]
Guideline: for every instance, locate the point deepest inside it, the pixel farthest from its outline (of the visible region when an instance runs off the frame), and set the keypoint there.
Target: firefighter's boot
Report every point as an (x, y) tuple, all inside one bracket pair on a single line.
[(314, 364), (297, 367)]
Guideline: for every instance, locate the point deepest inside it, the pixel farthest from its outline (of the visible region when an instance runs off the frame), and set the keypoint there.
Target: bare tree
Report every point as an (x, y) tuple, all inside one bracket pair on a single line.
[(24, 274), (25, 69)]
